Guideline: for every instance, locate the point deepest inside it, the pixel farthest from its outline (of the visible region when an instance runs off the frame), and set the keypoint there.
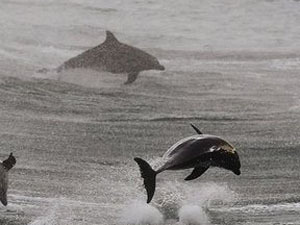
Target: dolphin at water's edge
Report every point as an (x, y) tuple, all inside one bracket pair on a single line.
[(5, 166), (114, 57), (199, 152)]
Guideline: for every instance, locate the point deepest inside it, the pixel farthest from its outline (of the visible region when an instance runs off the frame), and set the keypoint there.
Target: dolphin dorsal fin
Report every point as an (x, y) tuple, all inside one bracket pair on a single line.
[(110, 37), (196, 129)]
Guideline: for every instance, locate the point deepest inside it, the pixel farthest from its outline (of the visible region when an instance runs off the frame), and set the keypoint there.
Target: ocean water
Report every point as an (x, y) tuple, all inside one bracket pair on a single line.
[(232, 69)]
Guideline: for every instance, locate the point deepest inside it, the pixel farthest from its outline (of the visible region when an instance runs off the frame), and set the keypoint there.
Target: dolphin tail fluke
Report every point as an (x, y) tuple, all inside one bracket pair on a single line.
[(149, 176), (9, 162)]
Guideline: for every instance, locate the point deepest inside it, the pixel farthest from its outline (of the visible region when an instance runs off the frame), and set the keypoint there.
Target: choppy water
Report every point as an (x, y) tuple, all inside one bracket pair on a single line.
[(232, 69)]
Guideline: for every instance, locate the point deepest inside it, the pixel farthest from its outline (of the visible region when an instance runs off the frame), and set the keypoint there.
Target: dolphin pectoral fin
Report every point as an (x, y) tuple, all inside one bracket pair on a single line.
[(196, 129), (3, 194), (197, 172), (3, 200), (131, 77)]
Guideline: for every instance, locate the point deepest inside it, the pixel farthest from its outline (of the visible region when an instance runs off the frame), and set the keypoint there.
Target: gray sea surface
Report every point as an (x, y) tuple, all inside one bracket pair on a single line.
[(232, 69)]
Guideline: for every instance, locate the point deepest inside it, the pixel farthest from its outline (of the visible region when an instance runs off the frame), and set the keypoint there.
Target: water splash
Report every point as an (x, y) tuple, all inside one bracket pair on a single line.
[(49, 218), (186, 202), (54, 214), (189, 202), (208, 193), (192, 214), (169, 199), (198, 199), (141, 213)]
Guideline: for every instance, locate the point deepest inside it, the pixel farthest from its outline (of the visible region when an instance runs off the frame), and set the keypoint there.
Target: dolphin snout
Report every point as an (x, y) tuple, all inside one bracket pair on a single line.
[(161, 67), (237, 172)]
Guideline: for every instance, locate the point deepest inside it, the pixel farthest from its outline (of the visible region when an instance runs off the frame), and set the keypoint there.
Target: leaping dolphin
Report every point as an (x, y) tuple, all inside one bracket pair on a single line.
[(5, 166), (199, 152), (114, 57)]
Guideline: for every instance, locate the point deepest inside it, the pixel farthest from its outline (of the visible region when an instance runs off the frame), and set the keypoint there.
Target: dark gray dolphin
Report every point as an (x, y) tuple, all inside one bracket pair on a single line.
[(199, 152), (5, 166), (114, 57)]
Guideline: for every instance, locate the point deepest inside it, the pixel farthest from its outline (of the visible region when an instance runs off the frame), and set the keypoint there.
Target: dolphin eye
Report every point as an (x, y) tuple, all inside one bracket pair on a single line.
[(214, 148)]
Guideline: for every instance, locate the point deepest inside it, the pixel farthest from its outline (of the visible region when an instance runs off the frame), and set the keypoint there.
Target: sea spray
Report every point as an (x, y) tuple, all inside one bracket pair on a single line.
[(192, 215), (205, 194), (169, 199), (139, 213), (49, 218), (55, 214), (198, 198), (186, 202), (189, 202)]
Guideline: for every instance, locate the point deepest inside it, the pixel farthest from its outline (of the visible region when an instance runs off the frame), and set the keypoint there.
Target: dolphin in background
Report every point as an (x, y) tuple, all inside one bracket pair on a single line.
[(114, 57), (5, 166), (199, 152)]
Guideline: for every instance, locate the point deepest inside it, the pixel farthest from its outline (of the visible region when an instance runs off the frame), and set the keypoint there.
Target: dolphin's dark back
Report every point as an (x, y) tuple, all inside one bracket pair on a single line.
[(186, 152), (88, 59)]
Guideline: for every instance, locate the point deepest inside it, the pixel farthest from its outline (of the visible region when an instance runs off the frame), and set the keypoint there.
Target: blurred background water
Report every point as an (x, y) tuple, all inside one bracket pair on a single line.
[(232, 68)]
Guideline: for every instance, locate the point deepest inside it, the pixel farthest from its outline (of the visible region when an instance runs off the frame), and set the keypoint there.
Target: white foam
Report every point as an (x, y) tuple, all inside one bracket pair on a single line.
[(192, 214), (198, 198), (141, 213), (49, 218), (11, 210), (168, 199), (58, 213), (189, 202), (207, 193)]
